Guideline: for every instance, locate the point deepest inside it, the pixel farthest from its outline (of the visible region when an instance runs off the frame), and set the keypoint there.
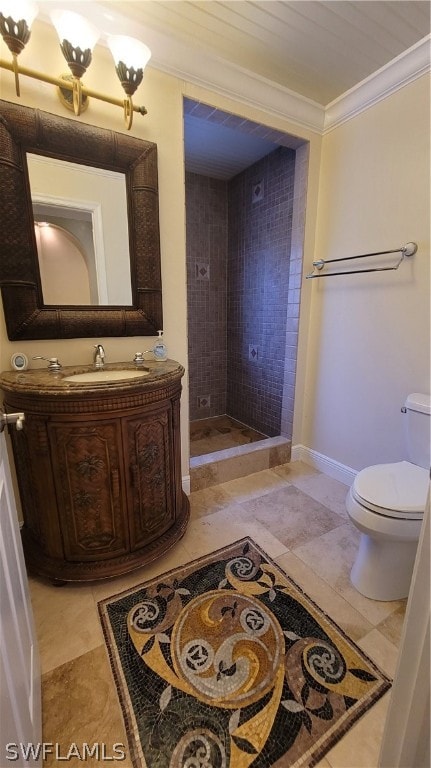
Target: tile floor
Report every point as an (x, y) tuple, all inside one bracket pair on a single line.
[(297, 516)]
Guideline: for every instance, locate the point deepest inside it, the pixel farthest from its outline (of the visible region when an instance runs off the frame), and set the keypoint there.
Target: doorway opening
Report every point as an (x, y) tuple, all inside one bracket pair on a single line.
[(245, 205)]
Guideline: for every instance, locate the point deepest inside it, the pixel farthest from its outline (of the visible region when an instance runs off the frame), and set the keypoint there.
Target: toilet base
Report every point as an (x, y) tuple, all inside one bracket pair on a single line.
[(383, 569)]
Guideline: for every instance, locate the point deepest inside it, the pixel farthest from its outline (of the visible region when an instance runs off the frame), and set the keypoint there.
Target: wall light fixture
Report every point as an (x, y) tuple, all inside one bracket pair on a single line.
[(77, 39)]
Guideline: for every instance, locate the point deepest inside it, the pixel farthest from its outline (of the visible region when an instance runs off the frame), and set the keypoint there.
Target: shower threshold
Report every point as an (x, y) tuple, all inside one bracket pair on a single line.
[(218, 433), (230, 455)]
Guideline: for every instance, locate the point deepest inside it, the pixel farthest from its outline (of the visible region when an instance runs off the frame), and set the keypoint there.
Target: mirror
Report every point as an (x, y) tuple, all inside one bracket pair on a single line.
[(24, 130), (91, 205)]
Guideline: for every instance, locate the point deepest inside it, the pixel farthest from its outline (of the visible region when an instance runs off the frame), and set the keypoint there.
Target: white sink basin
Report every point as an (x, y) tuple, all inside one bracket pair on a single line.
[(104, 377)]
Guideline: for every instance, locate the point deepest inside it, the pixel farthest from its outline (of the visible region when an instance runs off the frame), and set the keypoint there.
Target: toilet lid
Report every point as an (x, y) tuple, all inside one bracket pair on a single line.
[(400, 488)]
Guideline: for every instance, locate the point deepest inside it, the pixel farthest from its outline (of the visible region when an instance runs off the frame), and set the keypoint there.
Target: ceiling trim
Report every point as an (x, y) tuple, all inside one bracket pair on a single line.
[(231, 81), (404, 69), (249, 88)]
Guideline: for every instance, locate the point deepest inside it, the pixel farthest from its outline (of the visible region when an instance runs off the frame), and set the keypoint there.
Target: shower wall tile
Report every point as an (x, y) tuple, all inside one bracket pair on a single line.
[(206, 221), (259, 244), (250, 295)]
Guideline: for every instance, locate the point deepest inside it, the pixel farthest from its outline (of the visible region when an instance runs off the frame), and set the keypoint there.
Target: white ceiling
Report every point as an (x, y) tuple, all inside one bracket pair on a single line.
[(318, 49), (221, 145)]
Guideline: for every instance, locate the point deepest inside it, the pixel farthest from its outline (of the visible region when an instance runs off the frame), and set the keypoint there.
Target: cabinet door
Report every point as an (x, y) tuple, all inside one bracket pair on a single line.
[(148, 455), (86, 463)]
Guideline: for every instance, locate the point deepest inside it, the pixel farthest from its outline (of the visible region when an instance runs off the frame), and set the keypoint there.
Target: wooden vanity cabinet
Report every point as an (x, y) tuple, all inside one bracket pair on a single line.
[(100, 477)]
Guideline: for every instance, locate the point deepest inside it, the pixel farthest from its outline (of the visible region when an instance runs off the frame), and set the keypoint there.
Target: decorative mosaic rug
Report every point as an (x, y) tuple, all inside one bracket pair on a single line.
[(226, 663)]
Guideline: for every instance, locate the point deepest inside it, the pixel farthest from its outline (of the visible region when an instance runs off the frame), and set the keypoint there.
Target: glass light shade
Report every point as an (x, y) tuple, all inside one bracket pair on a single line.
[(19, 10), (130, 51), (77, 30)]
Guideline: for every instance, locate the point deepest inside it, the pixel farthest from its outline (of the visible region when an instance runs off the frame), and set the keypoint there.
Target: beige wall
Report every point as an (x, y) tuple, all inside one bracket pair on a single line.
[(162, 95), (369, 340)]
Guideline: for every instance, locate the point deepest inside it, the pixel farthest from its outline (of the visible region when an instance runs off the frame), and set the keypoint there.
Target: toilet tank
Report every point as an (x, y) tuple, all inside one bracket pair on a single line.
[(417, 421)]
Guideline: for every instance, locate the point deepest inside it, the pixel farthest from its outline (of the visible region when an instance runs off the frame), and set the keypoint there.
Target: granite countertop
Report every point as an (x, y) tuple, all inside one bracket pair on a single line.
[(42, 381)]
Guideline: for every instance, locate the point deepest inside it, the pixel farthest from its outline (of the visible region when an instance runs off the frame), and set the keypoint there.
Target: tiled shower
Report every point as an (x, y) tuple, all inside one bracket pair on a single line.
[(244, 262)]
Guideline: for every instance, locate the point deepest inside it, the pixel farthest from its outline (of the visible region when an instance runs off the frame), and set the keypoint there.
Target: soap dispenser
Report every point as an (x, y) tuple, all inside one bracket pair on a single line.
[(159, 350)]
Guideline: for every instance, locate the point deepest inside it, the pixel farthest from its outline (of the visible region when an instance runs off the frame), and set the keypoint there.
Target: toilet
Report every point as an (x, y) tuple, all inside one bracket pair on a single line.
[(386, 503)]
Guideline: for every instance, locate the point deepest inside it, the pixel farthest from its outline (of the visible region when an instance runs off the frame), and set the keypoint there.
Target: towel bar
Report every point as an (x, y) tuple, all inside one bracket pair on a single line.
[(406, 250)]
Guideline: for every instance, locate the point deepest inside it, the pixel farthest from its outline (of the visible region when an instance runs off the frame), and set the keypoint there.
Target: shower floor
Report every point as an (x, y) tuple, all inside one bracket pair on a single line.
[(218, 433)]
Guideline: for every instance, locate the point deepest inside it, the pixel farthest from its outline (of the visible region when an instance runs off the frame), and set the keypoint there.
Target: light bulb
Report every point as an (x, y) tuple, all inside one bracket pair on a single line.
[(20, 10), (76, 29), (130, 51)]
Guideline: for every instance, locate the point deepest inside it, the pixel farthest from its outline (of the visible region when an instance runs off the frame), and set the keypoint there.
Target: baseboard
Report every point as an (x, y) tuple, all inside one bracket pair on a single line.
[(324, 464)]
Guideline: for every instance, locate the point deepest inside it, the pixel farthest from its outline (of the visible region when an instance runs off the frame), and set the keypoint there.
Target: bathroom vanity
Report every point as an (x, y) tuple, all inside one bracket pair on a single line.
[(98, 463)]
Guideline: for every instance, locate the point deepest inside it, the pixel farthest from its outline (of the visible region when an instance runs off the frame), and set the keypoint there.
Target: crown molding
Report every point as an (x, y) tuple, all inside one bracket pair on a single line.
[(401, 71), (249, 88), (229, 80)]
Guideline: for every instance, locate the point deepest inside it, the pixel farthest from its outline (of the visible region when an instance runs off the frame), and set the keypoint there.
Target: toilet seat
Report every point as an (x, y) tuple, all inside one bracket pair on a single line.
[(393, 490)]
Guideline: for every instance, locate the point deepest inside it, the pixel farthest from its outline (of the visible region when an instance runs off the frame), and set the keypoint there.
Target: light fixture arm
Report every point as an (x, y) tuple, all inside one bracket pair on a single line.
[(61, 83), (77, 95), (128, 112), (15, 71)]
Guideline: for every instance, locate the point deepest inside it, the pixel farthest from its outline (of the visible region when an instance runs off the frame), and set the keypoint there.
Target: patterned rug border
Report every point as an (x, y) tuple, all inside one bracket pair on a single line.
[(328, 740)]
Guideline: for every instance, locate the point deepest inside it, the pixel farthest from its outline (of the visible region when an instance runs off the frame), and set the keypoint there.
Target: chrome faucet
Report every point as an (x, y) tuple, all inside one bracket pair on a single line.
[(99, 356)]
